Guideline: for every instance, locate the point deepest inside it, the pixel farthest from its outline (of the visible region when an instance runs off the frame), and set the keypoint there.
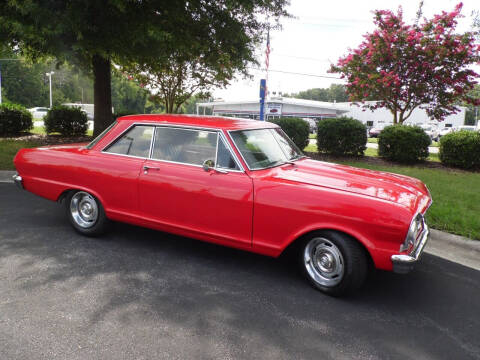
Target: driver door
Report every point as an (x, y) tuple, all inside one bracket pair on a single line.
[(176, 191)]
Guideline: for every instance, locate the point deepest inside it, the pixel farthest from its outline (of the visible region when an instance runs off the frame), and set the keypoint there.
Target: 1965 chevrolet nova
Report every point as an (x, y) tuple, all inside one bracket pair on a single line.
[(239, 183)]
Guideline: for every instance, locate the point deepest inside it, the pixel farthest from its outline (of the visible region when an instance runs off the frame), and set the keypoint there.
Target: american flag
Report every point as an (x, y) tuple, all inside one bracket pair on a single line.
[(267, 51)]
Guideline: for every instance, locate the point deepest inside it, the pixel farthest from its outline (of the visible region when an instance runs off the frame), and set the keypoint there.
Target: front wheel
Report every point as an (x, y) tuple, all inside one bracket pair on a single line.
[(86, 213), (333, 262)]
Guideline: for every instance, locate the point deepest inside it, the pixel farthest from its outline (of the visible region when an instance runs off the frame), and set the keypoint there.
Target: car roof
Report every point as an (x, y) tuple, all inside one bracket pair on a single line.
[(213, 122)]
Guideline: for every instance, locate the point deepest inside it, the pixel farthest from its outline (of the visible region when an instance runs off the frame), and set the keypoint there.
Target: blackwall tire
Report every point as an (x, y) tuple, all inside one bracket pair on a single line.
[(333, 263), (85, 213)]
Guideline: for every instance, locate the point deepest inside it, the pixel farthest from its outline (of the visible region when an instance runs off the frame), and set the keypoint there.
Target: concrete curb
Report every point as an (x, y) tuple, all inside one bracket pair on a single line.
[(454, 248), (451, 247), (6, 176)]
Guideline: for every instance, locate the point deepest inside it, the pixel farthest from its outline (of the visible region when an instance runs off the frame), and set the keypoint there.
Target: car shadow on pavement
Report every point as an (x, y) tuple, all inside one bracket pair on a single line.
[(198, 294)]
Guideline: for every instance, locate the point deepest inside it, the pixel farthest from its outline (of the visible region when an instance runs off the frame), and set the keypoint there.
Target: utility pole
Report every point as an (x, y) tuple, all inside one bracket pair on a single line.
[(49, 74)]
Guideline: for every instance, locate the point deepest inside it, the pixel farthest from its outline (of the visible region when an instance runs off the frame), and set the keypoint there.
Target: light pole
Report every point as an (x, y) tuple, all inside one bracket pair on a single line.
[(49, 74)]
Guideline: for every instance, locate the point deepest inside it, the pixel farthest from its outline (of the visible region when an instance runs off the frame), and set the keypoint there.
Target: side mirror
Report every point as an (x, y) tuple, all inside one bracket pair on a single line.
[(208, 165)]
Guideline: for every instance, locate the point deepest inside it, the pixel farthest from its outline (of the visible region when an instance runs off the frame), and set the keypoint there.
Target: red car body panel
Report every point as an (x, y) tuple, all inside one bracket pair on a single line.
[(263, 211)]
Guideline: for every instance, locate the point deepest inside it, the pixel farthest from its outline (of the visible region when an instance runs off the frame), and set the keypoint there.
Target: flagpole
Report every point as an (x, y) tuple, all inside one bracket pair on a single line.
[(267, 60)]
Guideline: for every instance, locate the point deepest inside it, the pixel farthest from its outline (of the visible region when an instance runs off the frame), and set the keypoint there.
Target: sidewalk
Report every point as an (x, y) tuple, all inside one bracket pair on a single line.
[(447, 246)]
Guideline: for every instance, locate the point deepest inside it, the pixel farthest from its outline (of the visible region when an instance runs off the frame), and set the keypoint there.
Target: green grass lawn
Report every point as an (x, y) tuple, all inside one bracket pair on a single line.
[(456, 196), (8, 149)]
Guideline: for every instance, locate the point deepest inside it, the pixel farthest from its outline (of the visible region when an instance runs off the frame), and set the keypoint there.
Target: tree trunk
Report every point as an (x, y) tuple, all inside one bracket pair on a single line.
[(102, 93)]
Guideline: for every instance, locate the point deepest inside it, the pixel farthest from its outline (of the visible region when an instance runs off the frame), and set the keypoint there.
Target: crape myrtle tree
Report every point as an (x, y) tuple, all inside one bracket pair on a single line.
[(426, 65), (97, 33)]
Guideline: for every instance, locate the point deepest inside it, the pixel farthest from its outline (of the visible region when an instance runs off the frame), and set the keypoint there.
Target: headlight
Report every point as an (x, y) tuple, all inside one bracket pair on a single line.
[(416, 227)]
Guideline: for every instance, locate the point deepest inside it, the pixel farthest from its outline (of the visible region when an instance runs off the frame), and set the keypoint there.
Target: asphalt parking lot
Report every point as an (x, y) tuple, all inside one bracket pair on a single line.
[(141, 294)]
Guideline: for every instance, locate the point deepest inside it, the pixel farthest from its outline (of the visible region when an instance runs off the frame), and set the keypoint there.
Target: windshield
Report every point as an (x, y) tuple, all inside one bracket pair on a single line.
[(264, 148)]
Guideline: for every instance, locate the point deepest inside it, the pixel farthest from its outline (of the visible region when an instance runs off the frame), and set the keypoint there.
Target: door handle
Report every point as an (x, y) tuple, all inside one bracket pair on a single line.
[(146, 168)]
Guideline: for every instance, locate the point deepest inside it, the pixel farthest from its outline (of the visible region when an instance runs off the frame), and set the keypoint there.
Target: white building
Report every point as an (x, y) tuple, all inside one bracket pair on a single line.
[(290, 107), (274, 108), (382, 116)]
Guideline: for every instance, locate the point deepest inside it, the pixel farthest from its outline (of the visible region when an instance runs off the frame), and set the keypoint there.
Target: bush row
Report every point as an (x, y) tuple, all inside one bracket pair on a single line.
[(461, 149), (68, 121), (403, 144), (14, 119), (297, 129), (341, 136)]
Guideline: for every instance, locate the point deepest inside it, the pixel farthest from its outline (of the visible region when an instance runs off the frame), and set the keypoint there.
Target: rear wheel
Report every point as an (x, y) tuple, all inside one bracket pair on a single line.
[(333, 263), (86, 213)]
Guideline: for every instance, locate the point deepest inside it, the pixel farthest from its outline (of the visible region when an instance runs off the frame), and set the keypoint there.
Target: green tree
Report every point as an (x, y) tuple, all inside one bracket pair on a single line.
[(336, 92), (182, 77), (127, 96), (94, 33)]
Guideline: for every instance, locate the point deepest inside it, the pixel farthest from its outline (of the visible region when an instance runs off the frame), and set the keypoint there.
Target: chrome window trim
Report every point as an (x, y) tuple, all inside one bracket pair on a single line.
[(191, 127), (213, 131), (232, 153), (152, 144), (100, 136), (246, 163), (130, 156), (216, 151), (104, 150)]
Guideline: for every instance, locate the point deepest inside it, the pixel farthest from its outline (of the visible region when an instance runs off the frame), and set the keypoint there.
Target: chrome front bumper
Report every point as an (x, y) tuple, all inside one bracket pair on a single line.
[(403, 263), (17, 179)]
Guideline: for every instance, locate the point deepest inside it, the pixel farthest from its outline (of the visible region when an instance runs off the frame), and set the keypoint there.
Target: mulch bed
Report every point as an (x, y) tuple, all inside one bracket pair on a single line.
[(43, 140)]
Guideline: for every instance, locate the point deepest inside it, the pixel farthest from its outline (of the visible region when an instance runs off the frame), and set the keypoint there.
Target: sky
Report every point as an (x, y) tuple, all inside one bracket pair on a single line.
[(321, 32)]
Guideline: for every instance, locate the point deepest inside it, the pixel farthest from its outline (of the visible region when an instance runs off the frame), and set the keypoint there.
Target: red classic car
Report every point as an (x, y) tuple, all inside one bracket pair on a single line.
[(240, 183)]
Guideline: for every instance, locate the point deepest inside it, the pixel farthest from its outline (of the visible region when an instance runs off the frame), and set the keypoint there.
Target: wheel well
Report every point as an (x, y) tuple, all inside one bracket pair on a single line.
[(64, 195), (293, 246)]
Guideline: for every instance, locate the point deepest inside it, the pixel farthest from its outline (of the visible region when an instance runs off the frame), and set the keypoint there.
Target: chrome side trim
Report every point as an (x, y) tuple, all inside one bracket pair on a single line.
[(17, 179)]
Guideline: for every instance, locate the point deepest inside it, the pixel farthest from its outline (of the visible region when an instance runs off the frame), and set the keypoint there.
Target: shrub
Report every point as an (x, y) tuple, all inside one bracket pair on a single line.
[(341, 136), (404, 144), (461, 149), (296, 129), (14, 119), (68, 121)]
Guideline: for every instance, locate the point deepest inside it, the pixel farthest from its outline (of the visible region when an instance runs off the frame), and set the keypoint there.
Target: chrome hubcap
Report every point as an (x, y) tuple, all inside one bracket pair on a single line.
[(324, 262), (84, 209)]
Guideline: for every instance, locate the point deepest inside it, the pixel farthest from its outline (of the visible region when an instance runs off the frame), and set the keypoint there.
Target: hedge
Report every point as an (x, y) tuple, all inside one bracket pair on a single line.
[(403, 144), (461, 149), (341, 136), (66, 120), (297, 129), (14, 119)]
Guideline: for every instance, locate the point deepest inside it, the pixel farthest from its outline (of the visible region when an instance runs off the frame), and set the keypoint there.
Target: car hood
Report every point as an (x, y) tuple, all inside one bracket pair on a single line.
[(403, 190)]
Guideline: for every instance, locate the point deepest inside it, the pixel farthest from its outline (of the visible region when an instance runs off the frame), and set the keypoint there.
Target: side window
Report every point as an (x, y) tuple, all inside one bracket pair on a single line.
[(135, 142), (224, 157), (186, 146)]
